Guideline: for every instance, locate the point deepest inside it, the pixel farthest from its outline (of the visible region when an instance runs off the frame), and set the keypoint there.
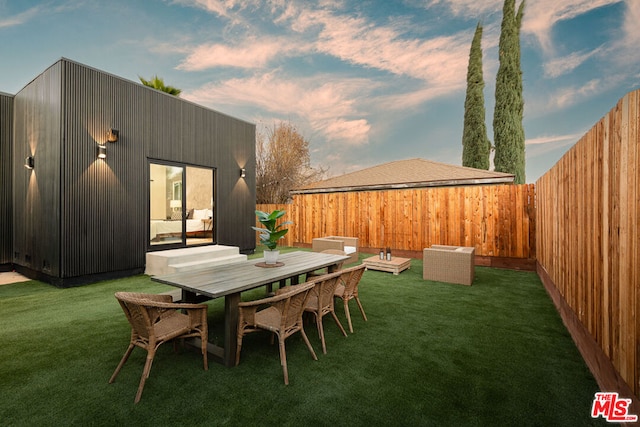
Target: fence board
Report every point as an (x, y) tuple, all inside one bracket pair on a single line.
[(496, 220), (587, 235), (581, 221)]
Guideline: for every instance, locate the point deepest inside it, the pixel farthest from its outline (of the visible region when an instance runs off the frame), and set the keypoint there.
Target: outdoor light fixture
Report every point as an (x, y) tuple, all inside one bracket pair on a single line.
[(243, 173), (29, 162), (112, 135), (102, 151)]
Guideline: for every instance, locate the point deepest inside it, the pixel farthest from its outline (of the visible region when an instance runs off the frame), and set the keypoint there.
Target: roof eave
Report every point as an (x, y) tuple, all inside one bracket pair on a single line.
[(406, 185)]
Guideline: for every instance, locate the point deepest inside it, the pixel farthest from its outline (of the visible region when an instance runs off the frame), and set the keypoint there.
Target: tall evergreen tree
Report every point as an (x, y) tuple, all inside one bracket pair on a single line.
[(508, 132), (476, 146)]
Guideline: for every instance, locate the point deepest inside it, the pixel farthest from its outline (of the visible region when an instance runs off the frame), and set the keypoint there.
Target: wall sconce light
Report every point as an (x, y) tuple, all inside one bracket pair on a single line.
[(102, 151), (29, 162), (112, 135), (243, 173)]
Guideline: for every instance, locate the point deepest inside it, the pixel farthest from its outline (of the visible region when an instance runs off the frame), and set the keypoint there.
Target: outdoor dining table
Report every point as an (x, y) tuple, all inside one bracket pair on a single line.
[(230, 280)]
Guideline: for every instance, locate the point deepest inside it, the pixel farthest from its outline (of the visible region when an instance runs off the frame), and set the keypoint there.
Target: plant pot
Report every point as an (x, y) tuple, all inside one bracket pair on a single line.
[(271, 257)]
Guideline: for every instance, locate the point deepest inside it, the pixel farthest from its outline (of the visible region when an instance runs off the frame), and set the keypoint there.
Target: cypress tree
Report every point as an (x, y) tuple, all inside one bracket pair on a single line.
[(508, 132), (476, 146)]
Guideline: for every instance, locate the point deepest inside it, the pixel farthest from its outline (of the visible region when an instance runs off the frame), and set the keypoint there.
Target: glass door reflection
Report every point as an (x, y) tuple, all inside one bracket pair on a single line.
[(200, 205), (165, 205)]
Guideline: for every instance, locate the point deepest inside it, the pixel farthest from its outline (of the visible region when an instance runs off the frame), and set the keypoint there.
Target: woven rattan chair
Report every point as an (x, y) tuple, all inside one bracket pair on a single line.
[(350, 245), (282, 316), (313, 274), (347, 290), (154, 320), (451, 264), (321, 303)]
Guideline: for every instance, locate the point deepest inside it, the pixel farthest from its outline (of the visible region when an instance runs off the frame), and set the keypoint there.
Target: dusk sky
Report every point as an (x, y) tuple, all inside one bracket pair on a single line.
[(366, 82)]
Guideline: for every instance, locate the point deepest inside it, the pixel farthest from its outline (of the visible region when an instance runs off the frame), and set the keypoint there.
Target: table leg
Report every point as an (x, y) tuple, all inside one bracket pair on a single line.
[(188, 296), (230, 328), (215, 351)]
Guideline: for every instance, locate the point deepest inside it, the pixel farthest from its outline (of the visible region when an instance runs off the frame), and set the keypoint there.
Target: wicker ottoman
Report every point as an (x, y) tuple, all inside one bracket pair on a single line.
[(452, 264)]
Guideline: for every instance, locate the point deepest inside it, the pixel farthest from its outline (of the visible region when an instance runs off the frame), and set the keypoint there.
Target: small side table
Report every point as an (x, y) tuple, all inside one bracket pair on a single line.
[(207, 224), (396, 266)]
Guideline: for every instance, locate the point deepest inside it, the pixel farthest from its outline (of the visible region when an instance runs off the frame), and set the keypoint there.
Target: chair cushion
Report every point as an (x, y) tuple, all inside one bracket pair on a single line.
[(350, 250)]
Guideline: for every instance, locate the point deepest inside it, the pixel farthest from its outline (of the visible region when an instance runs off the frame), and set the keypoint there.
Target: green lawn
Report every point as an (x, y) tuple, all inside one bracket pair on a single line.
[(495, 353)]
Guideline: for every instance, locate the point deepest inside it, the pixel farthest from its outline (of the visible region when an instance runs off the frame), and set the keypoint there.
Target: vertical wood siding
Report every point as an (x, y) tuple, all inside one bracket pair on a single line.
[(498, 220), (36, 210), (79, 215), (104, 206), (588, 233), (6, 179)]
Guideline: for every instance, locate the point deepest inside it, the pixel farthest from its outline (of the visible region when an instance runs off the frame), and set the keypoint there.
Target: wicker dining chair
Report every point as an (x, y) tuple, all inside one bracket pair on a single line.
[(321, 303), (282, 316), (154, 320), (347, 289), (313, 274)]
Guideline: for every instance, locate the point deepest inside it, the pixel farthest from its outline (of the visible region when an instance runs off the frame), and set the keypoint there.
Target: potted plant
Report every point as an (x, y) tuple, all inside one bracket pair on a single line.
[(271, 233)]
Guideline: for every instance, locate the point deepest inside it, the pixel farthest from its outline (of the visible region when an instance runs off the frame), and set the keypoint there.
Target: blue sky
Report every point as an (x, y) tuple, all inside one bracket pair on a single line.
[(365, 81)]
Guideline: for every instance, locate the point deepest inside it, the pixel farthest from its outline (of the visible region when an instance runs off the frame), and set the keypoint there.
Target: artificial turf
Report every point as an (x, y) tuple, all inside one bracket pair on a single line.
[(495, 353)]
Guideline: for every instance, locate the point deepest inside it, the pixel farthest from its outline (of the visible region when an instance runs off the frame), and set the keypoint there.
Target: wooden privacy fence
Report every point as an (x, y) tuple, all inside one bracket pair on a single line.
[(588, 244), (584, 233), (498, 220)]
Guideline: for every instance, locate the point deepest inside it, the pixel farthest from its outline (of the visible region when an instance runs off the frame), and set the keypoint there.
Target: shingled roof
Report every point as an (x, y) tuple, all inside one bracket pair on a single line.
[(412, 173)]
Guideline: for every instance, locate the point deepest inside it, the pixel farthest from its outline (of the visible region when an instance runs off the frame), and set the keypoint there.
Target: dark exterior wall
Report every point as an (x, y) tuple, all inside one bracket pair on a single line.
[(235, 193), (36, 198), (104, 201), (101, 222), (6, 179)]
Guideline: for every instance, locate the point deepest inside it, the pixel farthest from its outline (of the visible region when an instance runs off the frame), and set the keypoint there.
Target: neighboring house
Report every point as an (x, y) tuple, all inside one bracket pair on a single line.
[(412, 173), (68, 215)]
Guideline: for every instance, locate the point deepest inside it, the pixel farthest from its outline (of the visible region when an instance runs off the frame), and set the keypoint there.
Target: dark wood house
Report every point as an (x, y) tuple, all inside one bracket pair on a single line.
[(98, 170)]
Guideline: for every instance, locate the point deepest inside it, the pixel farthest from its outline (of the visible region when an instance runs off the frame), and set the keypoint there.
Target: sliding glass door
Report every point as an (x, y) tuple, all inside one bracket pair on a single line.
[(199, 204), (181, 205)]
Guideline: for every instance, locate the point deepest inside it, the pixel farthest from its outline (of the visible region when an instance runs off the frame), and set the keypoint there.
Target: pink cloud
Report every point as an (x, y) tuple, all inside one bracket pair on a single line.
[(252, 53), (328, 107)]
